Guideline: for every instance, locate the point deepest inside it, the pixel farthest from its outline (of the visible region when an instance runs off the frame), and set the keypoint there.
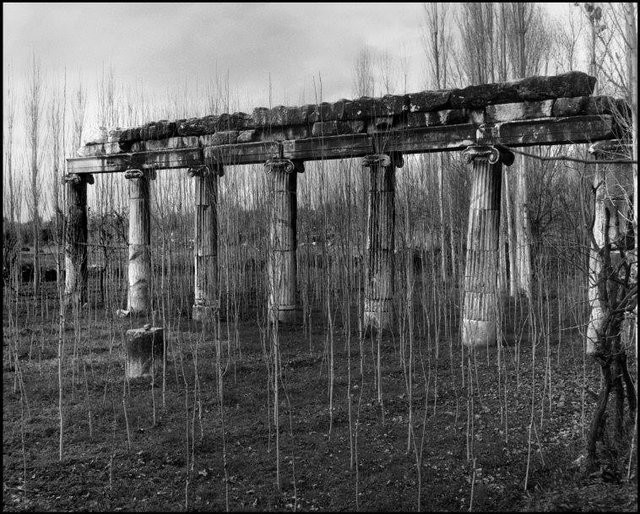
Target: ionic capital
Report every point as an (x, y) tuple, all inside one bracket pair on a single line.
[(493, 153), (284, 166), (383, 159), (206, 170), (132, 173), (77, 178)]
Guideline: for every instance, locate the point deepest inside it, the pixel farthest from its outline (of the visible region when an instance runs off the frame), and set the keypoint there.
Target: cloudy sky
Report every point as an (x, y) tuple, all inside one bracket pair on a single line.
[(166, 44)]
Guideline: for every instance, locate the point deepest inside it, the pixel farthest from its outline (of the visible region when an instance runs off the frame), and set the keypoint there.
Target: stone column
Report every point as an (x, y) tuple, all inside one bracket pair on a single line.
[(139, 240), (205, 242), (481, 296), (381, 217), (282, 265), (76, 235), (612, 214)]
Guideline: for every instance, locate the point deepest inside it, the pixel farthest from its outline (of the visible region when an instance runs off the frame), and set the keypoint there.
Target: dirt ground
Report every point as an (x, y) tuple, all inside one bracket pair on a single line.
[(482, 431)]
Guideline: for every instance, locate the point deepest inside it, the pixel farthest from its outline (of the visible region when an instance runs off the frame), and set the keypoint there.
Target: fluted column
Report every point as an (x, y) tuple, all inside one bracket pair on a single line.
[(612, 184), (205, 244), (479, 317), (282, 265), (76, 235), (379, 286), (138, 301)]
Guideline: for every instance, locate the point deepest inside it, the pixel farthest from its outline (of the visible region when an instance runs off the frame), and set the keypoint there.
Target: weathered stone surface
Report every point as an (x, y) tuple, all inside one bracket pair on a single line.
[(144, 351), (518, 111), (276, 133), (197, 126), (569, 106), (138, 146), (113, 136), (246, 136), (170, 143), (359, 109), (476, 97), (320, 112), (158, 130), (245, 153), (226, 137), (235, 121), (98, 149), (445, 117), (573, 83), (390, 105), (280, 116), (578, 129), (426, 101), (331, 147), (381, 123), (416, 119), (357, 126), (330, 128)]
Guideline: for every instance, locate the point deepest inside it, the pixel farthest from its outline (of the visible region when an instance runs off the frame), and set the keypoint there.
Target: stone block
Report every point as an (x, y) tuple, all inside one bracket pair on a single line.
[(330, 128), (235, 121), (569, 106), (144, 351), (227, 137), (246, 136), (426, 101), (518, 111)]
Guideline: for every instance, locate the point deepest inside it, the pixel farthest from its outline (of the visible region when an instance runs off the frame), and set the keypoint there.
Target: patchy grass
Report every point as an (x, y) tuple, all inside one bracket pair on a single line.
[(464, 412)]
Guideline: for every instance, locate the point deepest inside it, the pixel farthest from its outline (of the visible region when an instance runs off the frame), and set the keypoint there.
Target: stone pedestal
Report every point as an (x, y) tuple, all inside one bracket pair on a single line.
[(205, 243), (75, 251), (481, 295), (138, 301), (144, 351), (282, 265), (379, 286)]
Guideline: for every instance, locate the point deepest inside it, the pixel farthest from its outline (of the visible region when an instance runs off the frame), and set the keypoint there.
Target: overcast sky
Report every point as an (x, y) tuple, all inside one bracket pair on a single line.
[(163, 45), (166, 44)]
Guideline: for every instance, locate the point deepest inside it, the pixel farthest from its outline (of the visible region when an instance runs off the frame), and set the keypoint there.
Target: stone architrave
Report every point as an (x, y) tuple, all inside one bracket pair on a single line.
[(75, 258), (205, 243), (138, 302), (379, 286), (282, 265), (481, 294), (144, 351), (612, 184)]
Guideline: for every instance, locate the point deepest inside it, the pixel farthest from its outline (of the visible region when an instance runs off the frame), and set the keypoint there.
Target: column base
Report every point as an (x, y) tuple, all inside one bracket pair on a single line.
[(203, 312), (479, 333), (144, 352), (378, 315)]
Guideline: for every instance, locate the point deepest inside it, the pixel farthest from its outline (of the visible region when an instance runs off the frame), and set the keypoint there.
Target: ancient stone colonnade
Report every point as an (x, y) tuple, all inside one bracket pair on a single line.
[(481, 121)]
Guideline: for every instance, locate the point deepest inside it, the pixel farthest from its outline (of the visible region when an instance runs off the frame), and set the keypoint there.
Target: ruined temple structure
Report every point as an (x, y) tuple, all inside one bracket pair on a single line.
[(481, 121)]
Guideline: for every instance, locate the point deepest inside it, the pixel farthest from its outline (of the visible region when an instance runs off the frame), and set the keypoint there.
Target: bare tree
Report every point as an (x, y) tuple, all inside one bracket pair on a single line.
[(566, 42), (33, 106), (526, 39), (477, 38), (364, 83), (436, 40)]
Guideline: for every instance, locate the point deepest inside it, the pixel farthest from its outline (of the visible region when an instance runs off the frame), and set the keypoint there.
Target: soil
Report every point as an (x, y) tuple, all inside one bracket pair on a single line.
[(500, 432)]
